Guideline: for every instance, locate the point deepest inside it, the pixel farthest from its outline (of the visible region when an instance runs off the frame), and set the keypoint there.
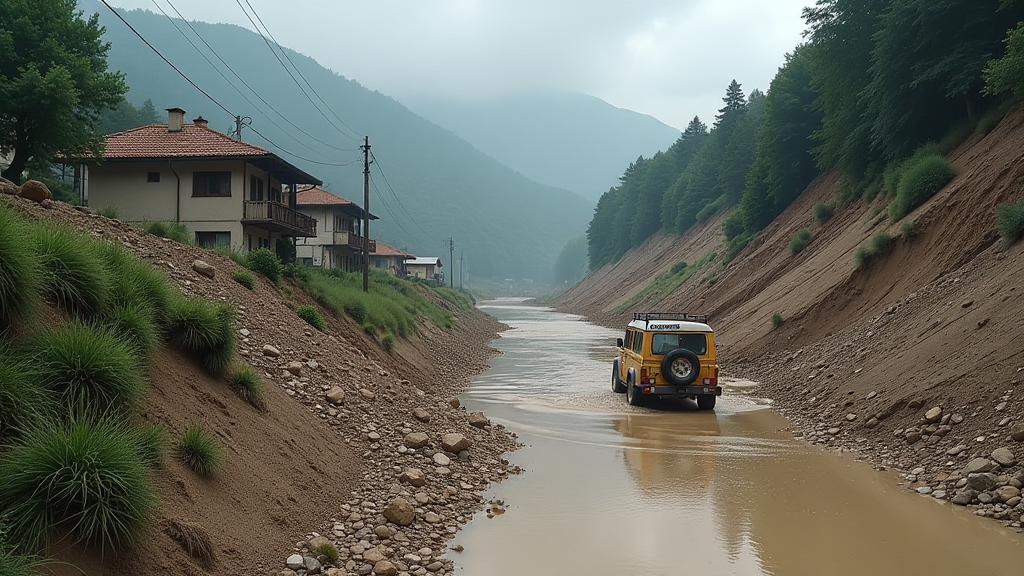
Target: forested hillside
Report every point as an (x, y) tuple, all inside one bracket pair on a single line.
[(878, 93), (427, 184)]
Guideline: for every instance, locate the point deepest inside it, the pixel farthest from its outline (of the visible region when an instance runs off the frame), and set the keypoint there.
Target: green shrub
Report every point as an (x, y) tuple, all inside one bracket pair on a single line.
[(777, 320), (135, 281), (204, 329), (920, 181), (328, 551), (73, 271), (733, 225), (736, 245), (244, 278), (678, 267), (112, 212), (23, 403), (799, 242), (151, 444), (88, 368), (822, 212), (248, 384), (389, 341), (200, 450), (989, 121), (1010, 221), (171, 230), (875, 245), (295, 270), (311, 315), (265, 262), (370, 329), (20, 275), (135, 324), (908, 230), (85, 477)]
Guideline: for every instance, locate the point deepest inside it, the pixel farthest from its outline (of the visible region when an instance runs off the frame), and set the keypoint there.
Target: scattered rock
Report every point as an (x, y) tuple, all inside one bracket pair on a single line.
[(35, 191), (933, 415), (1004, 456), (400, 512), (421, 414), (335, 396), (416, 440), (983, 481), (294, 561), (295, 368), (478, 419), (978, 465), (270, 351), (1017, 432), (454, 442), (385, 568), (203, 269), (413, 476)]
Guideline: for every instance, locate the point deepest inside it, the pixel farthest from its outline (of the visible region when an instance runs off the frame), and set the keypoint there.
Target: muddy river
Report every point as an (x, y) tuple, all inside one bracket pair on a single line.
[(613, 490)]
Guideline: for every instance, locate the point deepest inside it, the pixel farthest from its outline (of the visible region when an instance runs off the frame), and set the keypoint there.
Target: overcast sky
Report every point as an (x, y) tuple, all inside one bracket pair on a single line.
[(671, 59)]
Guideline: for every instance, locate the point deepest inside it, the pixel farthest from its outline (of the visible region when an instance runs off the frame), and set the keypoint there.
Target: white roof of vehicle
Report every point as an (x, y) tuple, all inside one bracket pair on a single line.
[(670, 326)]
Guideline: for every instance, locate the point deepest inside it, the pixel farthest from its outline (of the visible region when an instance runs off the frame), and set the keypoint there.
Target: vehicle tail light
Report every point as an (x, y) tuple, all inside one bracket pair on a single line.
[(646, 389), (643, 373)]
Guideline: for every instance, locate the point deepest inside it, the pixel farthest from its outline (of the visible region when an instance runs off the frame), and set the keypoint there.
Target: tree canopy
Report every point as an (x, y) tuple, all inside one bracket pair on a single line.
[(53, 82)]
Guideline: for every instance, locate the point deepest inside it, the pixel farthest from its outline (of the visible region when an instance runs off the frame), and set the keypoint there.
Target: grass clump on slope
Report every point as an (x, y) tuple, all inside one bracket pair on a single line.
[(20, 274)]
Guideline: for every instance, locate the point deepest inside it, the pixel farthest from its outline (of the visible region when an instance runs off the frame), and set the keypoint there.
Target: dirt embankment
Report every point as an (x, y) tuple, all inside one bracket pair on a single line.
[(865, 357), (306, 466)]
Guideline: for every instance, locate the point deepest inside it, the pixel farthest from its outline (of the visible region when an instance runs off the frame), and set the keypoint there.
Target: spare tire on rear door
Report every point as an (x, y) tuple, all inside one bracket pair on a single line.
[(680, 367)]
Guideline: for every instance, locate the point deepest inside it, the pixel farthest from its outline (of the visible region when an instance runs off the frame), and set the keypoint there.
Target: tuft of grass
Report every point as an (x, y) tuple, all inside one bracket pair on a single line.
[(244, 278), (171, 230), (370, 329), (328, 551), (14, 564), (822, 212), (135, 282), (151, 444), (193, 538), (73, 270), (23, 403), (236, 256), (200, 450), (265, 262), (248, 384), (1010, 221), (777, 320), (679, 267), (389, 341), (799, 242), (88, 368), (112, 212), (84, 476), (204, 329), (921, 179), (876, 245), (311, 315), (21, 277), (908, 230)]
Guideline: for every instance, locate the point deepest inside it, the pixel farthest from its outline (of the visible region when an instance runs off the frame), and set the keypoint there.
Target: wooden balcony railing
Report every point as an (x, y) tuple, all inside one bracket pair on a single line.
[(278, 217), (354, 240)]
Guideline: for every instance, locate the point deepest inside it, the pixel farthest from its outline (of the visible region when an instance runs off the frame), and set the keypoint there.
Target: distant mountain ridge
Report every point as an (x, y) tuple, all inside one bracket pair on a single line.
[(563, 139), (427, 184)]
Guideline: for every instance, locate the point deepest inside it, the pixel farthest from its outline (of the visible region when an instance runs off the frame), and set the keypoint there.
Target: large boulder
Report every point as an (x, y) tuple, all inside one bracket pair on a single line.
[(478, 419), (454, 442), (36, 191), (336, 396), (400, 511), (8, 187), (413, 476), (204, 268), (416, 440)]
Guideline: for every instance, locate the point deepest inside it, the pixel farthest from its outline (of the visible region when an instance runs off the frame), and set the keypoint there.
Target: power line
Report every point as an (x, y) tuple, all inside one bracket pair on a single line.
[(402, 206), (240, 93), (283, 65)]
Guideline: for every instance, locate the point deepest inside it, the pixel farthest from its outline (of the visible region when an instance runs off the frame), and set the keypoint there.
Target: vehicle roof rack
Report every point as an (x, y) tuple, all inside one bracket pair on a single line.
[(684, 316)]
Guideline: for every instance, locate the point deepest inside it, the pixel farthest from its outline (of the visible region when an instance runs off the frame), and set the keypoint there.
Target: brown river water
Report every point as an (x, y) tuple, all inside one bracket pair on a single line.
[(609, 489)]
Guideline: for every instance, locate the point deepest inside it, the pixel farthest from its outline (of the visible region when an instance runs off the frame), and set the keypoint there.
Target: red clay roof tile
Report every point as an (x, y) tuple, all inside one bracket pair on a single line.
[(155, 141)]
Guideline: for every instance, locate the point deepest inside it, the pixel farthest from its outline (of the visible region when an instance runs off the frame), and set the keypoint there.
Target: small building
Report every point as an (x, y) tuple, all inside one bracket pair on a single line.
[(339, 241), (389, 258), (426, 267), (227, 192)]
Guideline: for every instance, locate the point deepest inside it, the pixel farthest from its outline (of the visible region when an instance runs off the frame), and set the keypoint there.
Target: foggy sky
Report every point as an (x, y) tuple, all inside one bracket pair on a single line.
[(671, 59)]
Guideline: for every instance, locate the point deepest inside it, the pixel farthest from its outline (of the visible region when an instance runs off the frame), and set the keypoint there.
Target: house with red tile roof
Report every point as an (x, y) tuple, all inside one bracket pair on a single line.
[(389, 258), (339, 240), (227, 192)]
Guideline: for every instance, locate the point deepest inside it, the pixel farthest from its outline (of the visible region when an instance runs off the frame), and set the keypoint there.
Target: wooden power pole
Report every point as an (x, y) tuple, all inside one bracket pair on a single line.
[(366, 213)]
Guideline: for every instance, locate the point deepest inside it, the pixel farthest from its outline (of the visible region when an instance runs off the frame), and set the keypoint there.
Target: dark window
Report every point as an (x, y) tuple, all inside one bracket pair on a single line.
[(152, 176), (255, 188), (211, 183), (664, 343), (213, 239), (275, 195), (638, 342)]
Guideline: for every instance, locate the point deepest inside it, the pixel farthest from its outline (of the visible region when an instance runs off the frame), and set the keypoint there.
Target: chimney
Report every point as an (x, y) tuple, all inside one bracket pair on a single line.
[(200, 121), (175, 118)]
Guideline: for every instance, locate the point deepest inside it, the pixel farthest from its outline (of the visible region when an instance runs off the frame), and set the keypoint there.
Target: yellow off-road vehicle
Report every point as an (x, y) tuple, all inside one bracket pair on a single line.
[(667, 355)]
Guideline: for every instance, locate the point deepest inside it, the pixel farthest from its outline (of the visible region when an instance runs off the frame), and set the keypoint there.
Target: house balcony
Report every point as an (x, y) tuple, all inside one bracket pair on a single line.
[(352, 240), (278, 218)]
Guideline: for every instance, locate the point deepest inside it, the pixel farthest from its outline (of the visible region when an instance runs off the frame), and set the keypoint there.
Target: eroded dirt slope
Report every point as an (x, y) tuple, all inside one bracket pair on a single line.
[(934, 321)]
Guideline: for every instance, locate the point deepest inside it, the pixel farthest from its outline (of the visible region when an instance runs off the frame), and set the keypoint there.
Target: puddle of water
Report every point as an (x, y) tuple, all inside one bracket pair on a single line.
[(611, 489)]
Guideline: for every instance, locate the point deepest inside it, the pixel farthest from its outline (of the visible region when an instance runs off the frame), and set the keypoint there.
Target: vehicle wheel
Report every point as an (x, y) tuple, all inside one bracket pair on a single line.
[(633, 397), (706, 401), (680, 367), (617, 386)]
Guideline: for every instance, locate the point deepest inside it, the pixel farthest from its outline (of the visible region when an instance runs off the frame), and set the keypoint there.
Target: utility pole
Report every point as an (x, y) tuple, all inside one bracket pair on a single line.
[(462, 265), (451, 259), (239, 122), (366, 213)]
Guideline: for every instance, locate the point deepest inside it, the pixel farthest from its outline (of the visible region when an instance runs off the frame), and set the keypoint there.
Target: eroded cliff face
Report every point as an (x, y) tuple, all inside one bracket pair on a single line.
[(862, 355)]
